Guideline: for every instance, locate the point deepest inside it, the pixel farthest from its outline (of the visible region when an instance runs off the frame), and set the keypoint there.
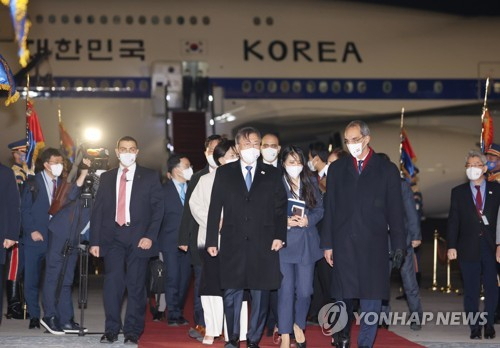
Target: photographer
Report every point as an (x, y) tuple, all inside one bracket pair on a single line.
[(66, 231)]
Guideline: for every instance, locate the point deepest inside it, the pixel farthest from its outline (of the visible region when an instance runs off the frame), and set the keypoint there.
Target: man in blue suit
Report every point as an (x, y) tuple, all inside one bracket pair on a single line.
[(35, 203), (177, 262), (124, 227), (9, 219)]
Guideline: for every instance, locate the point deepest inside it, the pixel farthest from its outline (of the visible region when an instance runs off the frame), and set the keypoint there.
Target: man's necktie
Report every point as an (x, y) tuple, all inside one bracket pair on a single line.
[(360, 166), (122, 198), (479, 200), (182, 192), (54, 188), (248, 177)]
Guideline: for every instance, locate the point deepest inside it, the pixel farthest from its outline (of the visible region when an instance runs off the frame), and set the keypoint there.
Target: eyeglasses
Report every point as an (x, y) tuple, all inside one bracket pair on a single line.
[(474, 165), (354, 141), (127, 150)]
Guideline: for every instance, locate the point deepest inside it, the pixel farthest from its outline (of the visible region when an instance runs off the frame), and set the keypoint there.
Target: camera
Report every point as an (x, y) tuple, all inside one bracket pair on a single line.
[(99, 158)]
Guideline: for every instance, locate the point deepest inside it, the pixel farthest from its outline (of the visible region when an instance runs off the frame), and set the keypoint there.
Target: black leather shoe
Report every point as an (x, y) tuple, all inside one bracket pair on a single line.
[(232, 344), (182, 321), (158, 316), (52, 325), (252, 345), (131, 339), (109, 337), (34, 323), (475, 334), (301, 345), (72, 327), (489, 332)]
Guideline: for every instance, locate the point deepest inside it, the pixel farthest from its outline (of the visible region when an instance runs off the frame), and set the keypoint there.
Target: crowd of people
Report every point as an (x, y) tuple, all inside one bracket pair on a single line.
[(266, 229)]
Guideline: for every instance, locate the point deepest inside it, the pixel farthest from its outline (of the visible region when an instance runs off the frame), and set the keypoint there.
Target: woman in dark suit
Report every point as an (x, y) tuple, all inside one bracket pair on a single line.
[(302, 251)]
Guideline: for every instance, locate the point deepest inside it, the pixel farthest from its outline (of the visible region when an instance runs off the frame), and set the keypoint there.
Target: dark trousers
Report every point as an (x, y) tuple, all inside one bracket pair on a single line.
[(471, 275), (34, 258), (178, 275), (124, 270), (367, 329), (321, 286), (61, 307), (233, 299), (2, 282), (199, 318)]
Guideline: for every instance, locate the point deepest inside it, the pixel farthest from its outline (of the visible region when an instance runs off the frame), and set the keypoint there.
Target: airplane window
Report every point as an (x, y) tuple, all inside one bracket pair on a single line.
[(284, 86), (129, 20), (78, 19), (117, 19), (52, 19), (296, 87), (256, 20), (269, 21), (142, 20), (65, 84), (206, 20), (117, 84), (387, 87), (91, 83), (311, 87), (155, 20), (361, 87), (39, 19), (496, 87), (64, 19), (78, 84), (180, 20), (131, 84), (104, 84), (412, 87), (348, 87), (90, 19), (336, 87), (104, 19), (438, 87), (323, 86), (272, 86), (167, 20), (193, 20), (246, 86), (259, 86), (144, 86)]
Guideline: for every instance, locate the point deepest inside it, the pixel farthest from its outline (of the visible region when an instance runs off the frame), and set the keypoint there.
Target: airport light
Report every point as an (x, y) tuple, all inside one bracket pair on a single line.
[(92, 135)]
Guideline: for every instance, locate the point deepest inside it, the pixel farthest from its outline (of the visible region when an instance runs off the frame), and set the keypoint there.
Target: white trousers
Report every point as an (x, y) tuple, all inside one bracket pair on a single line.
[(213, 311)]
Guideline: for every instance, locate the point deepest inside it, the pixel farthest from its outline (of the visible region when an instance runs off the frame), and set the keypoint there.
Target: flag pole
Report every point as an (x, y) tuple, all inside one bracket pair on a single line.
[(27, 107), (401, 141)]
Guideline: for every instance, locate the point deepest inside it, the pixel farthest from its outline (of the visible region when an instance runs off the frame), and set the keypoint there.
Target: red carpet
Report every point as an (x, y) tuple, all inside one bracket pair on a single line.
[(160, 335)]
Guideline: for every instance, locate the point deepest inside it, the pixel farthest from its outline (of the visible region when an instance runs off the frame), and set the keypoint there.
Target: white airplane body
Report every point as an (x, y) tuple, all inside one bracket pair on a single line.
[(304, 67)]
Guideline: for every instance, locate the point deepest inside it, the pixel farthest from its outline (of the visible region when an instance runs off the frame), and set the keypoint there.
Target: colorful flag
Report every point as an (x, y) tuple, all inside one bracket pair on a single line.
[(34, 134), (7, 82), (408, 157), (66, 143), (18, 13), (487, 130)]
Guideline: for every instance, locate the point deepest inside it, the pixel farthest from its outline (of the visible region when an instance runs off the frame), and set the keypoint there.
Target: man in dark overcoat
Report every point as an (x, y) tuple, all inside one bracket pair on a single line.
[(364, 200), (253, 200)]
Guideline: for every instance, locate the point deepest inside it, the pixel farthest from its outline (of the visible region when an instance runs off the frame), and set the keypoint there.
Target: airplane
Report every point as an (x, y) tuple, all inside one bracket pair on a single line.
[(171, 73)]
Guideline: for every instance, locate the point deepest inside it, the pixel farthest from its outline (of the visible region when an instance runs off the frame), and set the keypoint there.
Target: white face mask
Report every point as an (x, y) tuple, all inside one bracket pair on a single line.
[(355, 149), (211, 161), (311, 166), (56, 169), (294, 171), (127, 159), (474, 173), (187, 173), (231, 160), (249, 156), (269, 154)]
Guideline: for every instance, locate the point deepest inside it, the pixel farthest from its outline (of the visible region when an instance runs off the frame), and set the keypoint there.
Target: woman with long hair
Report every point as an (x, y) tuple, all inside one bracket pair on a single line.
[(302, 247)]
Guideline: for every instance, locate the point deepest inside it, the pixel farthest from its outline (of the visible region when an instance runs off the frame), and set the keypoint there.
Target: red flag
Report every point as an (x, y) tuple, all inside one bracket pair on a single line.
[(407, 146), (66, 143), (34, 134), (487, 130)]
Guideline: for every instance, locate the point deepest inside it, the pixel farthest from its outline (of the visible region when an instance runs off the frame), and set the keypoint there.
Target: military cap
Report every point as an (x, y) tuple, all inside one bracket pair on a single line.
[(17, 145), (494, 150)]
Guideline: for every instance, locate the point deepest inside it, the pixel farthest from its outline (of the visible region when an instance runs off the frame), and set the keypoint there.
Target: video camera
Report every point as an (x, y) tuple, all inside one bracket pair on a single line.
[(99, 158)]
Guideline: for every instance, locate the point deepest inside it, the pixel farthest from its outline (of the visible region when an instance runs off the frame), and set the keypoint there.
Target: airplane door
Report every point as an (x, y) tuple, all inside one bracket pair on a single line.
[(189, 134)]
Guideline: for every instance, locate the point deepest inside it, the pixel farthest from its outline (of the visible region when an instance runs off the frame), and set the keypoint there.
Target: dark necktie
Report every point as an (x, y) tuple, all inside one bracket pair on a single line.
[(122, 199), (248, 177), (479, 200), (360, 166), (54, 187)]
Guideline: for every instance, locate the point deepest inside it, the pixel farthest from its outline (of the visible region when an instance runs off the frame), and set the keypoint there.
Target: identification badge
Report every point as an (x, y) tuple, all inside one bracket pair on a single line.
[(485, 220)]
